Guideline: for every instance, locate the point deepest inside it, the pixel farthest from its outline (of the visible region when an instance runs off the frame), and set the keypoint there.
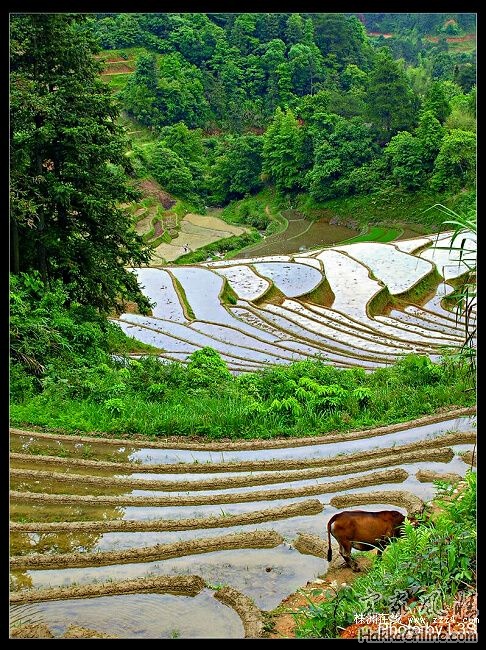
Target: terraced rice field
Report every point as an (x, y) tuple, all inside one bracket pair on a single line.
[(171, 539), (195, 232), (339, 304), (162, 540)]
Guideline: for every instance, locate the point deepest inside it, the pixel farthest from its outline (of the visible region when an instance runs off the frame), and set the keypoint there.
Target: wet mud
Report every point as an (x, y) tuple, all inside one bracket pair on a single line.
[(396, 475), (177, 585), (469, 457), (429, 476), (255, 539), (311, 545), (250, 614), (401, 498)]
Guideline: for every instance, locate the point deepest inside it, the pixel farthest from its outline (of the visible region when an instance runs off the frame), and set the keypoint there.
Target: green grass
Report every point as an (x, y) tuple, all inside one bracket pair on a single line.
[(186, 307), (234, 244), (380, 234), (391, 208)]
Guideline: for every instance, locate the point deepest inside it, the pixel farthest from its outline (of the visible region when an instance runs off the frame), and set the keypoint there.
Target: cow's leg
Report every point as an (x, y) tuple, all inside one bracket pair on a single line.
[(345, 551)]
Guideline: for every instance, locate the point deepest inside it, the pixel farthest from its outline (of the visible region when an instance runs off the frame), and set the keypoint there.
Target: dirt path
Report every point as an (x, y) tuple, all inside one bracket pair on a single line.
[(280, 623)]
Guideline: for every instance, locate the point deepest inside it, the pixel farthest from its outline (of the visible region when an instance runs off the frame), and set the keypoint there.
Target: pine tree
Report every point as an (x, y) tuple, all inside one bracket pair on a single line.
[(68, 168)]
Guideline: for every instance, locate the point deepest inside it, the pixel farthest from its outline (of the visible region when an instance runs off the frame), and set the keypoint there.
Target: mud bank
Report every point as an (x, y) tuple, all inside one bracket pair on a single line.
[(42, 631), (389, 476), (429, 476), (177, 585), (233, 445), (311, 545), (469, 457), (250, 615), (453, 438), (310, 507), (400, 498), (432, 455), (255, 539), (31, 631)]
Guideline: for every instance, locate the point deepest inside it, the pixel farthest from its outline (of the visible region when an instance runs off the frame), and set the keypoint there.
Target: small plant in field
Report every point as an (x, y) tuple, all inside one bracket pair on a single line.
[(87, 451), (114, 406), (175, 634), (62, 451)]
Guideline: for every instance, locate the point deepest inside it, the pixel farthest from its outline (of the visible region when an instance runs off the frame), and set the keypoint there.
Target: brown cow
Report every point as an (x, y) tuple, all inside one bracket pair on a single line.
[(363, 531)]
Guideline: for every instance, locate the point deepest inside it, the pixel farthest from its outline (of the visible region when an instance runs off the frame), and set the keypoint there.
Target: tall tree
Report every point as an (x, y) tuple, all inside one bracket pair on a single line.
[(391, 102), (282, 151), (68, 168)]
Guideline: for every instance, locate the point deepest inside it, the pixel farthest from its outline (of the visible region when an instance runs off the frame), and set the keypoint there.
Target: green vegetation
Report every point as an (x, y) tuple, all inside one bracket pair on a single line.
[(304, 103), (235, 243), (64, 375), (68, 169), (420, 573), (377, 234)]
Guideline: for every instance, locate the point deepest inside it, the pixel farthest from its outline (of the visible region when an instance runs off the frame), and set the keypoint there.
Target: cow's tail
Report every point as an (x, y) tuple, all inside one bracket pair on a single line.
[(329, 550)]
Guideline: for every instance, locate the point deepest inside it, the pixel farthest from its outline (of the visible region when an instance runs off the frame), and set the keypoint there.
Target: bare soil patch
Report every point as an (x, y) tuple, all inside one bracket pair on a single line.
[(151, 188), (281, 620)]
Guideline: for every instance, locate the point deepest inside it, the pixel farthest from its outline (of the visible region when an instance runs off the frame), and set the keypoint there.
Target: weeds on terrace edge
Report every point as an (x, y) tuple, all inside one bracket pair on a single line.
[(422, 572)]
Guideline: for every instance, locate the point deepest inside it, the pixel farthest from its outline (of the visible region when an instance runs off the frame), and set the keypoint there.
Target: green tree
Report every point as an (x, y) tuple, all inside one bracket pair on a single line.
[(170, 170), (406, 154), (391, 104), (340, 145), (68, 168), (465, 76), (294, 30), (306, 68), (343, 36), (430, 133), (455, 165), (140, 94), (437, 102), (282, 151), (237, 168)]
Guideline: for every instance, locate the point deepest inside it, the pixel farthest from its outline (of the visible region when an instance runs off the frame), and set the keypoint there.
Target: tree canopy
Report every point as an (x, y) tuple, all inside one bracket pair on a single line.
[(68, 168)]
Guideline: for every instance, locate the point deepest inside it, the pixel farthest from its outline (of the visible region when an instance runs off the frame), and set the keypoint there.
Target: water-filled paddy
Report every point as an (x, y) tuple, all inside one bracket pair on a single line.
[(139, 616)]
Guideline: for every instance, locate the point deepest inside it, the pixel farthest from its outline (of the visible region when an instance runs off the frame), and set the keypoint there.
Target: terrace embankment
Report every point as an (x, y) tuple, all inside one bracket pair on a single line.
[(255, 539), (433, 455), (390, 476), (177, 585), (309, 507), (445, 440)]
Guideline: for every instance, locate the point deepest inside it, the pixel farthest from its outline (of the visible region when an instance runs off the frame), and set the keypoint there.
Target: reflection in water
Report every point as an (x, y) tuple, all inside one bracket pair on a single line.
[(148, 616), (39, 447)]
